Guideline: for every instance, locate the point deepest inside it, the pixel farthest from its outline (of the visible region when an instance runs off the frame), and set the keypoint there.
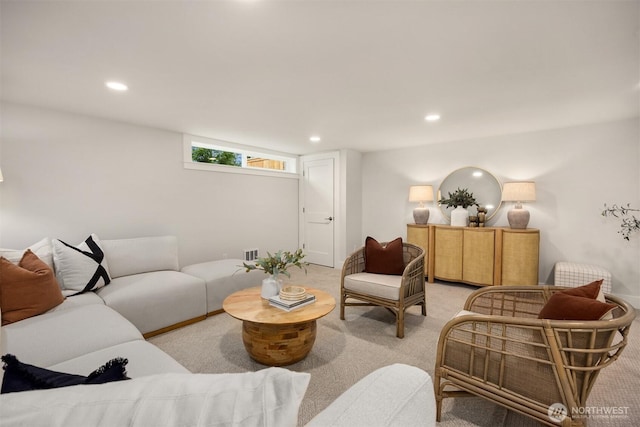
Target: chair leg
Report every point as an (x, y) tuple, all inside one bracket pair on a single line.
[(438, 408), (342, 301), (438, 393), (400, 324), (424, 308)]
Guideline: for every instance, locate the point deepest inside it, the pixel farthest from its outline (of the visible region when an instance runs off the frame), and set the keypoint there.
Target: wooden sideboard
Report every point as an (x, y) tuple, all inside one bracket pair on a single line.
[(418, 234), (483, 256)]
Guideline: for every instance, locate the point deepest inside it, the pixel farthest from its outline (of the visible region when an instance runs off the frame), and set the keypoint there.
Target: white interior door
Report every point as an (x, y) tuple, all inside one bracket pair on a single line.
[(318, 211)]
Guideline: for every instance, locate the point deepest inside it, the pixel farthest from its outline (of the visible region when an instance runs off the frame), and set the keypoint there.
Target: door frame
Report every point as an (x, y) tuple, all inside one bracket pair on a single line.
[(337, 220)]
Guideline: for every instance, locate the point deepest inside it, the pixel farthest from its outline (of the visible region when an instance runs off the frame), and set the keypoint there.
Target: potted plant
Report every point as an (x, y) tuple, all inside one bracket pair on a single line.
[(460, 199), (628, 225), (274, 265)]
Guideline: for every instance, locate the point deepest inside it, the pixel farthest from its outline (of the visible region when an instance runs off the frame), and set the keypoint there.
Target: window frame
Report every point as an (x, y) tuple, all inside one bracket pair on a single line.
[(292, 161)]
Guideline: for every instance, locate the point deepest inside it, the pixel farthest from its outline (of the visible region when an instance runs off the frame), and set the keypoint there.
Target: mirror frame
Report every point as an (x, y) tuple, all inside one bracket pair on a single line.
[(458, 178)]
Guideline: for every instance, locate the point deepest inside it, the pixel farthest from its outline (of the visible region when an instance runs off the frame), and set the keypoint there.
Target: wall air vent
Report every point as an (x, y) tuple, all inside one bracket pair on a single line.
[(250, 254)]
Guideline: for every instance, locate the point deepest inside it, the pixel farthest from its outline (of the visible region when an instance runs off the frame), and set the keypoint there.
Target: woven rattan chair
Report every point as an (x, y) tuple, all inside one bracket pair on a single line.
[(400, 293), (504, 353)]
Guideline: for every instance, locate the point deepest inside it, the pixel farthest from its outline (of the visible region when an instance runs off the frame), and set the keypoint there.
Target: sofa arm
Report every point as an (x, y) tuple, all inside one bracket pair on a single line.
[(395, 395)]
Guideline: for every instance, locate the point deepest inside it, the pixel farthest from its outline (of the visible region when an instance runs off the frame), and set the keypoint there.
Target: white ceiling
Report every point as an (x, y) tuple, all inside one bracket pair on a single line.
[(361, 74)]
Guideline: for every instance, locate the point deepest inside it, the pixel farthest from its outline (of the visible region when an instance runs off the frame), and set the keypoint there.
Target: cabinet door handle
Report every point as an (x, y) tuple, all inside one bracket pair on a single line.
[(329, 218)]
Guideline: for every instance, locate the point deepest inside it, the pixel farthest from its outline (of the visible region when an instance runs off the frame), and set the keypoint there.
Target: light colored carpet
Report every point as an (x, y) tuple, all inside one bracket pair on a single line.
[(346, 351)]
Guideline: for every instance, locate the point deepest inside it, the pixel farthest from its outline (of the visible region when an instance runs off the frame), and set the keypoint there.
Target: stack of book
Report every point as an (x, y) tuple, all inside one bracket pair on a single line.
[(287, 305)]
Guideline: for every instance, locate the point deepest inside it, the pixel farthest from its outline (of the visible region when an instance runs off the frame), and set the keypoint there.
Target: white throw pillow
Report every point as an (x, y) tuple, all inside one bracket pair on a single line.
[(83, 267), (42, 249)]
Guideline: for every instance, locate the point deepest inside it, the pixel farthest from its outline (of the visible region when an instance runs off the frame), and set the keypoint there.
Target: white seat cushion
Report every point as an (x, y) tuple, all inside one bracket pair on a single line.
[(464, 313), (150, 302), (144, 359), (78, 300), (55, 336), (379, 285)]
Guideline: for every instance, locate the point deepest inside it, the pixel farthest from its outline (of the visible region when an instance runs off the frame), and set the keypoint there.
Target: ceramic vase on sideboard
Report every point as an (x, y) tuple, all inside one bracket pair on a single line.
[(460, 217)]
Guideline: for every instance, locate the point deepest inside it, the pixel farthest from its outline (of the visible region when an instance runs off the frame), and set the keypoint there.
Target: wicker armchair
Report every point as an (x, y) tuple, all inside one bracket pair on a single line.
[(504, 353), (400, 292)]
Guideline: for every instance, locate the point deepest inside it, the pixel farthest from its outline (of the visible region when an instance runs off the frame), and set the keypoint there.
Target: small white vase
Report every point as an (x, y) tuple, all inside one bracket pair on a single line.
[(270, 287), (460, 217)]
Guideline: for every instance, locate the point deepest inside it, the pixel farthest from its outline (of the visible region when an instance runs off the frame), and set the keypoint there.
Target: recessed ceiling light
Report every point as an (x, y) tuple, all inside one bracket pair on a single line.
[(314, 138), (120, 87), (432, 117)]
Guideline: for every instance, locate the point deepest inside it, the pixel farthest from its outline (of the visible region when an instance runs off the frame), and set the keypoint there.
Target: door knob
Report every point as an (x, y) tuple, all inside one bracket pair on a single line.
[(329, 219)]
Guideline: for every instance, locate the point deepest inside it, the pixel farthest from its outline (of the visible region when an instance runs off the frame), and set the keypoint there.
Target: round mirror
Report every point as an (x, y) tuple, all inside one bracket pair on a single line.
[(486, 189)]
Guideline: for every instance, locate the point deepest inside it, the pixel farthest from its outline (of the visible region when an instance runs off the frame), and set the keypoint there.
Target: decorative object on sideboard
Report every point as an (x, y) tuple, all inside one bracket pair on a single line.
[(421, 194), (460, 199), (482, 216), (628, 225), (523, 191), (274, 265)]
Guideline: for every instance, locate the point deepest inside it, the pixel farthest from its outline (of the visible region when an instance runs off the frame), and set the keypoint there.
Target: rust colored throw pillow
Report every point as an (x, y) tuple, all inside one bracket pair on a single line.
[(562, 306), (27, 289), (380, 259), (588, 291)]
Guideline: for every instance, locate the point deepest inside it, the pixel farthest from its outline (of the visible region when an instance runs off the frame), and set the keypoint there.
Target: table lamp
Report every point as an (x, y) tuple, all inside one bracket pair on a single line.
[(421, 194), (518, 192)]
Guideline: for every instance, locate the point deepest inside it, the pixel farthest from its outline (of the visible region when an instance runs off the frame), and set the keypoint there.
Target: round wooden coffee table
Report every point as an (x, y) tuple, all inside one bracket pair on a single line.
[(272, 336)]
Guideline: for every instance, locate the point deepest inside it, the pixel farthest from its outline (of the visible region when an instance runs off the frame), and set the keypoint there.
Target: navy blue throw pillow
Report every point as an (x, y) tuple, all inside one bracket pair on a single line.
[(20, 376)]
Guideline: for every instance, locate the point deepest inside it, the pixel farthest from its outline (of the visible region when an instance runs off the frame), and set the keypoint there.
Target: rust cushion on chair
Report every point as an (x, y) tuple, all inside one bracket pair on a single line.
[(380, 259), (592, 290), (562, 306), (27, 289), (588, 291)]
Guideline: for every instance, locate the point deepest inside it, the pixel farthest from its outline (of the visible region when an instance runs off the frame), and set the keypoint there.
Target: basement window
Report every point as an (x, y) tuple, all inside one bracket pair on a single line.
[(221, 156)]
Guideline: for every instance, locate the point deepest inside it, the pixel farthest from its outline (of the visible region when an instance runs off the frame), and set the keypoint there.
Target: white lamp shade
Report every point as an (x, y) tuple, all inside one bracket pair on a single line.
[(519, 191), (1, 178), (420, 193)]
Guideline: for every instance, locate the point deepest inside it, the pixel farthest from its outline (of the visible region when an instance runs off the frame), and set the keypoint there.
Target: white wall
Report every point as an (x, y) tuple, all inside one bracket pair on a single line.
[(68, 175), (576, 171), (351, 201)]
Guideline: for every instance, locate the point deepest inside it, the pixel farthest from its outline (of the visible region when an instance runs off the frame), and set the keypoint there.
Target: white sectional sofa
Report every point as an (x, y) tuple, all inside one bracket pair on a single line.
[(78, 338), (146, 279), (148, 293)]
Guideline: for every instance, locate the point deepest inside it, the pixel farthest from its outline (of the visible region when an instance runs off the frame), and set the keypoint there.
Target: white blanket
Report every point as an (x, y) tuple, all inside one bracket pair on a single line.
[(270, 397)]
